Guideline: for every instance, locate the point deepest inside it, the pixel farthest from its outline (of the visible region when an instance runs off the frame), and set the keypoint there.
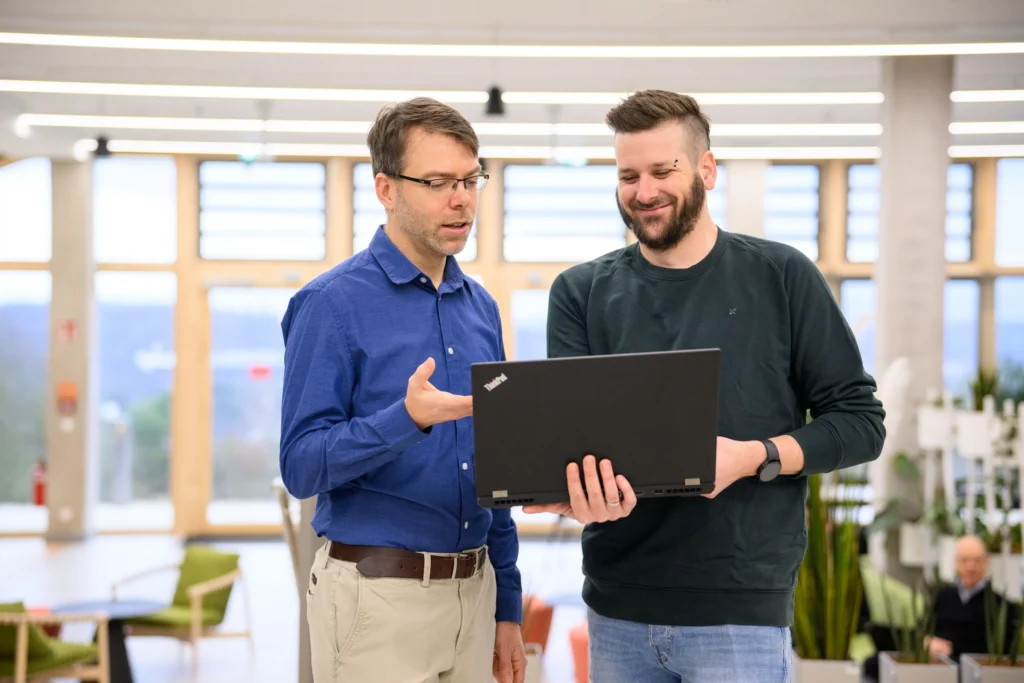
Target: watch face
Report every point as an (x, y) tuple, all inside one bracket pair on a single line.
[(770, 470)]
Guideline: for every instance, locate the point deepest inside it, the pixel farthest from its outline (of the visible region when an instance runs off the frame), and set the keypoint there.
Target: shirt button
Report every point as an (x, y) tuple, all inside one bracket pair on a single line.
[(465, 465), (467, 525), (450, 350), (423, 280)]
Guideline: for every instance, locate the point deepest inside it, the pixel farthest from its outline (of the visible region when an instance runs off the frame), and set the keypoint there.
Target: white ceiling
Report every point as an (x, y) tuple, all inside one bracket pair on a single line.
[(553, 22)]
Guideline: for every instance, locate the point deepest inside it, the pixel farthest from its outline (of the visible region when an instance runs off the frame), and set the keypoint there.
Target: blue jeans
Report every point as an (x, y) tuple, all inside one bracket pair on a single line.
[(628, 652)]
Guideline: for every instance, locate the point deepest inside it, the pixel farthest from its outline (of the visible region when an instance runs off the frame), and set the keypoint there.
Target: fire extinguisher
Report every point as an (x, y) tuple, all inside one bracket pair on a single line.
[(39, 483)]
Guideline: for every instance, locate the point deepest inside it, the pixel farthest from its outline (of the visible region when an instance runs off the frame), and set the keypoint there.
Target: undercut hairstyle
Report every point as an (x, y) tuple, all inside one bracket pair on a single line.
[(647, 109), (390, 130)]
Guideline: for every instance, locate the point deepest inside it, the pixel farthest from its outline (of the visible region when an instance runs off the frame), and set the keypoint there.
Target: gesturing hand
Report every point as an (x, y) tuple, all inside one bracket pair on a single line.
[(596, 505), (427, 406)]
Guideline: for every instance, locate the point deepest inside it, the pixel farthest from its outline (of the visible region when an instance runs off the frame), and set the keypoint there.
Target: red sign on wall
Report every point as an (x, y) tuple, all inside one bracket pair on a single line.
[(259, 372)]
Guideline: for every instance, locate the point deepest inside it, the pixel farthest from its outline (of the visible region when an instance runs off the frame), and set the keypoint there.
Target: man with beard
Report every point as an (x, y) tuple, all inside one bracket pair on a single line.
[(701, 588), (416, 582)]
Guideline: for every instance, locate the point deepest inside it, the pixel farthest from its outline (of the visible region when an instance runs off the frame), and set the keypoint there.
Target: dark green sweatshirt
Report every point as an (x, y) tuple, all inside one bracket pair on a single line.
[(786, 348)]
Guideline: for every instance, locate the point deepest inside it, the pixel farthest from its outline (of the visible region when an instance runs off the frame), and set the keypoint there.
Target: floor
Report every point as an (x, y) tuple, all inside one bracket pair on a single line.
[(47, 574)]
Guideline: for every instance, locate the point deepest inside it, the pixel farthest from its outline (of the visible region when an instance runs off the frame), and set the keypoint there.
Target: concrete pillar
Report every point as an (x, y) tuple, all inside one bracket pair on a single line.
[(308, 543), (71, 448), (911, 270), (744, 196)]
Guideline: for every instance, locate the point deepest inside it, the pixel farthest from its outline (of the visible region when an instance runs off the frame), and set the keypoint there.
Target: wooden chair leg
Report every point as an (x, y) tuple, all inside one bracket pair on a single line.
[(103, 645), (21, 653)]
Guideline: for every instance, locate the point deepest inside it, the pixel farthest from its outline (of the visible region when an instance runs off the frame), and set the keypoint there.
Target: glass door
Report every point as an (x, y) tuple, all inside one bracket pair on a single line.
[(246, 373)]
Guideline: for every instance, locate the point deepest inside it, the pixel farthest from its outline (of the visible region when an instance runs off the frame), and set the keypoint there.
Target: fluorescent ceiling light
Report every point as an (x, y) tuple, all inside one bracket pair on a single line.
[(86, 146), (986, 127), (975, 151), (738, 98), (237, 92), (26, 121), (987, 96), (451, 96), (535, 51)]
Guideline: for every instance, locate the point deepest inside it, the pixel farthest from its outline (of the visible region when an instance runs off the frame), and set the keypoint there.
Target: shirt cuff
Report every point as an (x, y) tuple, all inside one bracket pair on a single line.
[(398, 429), (510, 606), (820, 447)]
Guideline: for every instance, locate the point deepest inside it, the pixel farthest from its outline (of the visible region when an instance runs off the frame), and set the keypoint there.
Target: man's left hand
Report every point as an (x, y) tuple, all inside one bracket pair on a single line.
[(509, 654), (735, 460)]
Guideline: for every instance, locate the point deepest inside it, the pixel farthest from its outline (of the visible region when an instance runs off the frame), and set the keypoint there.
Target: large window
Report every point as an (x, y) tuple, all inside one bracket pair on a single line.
[(135, 209), (1010, 319), (864, 203), (136, 366), (791, 207), (262, 210), (1009, 213), (561, 213), (529, 315), (370, 215), (717, 199), (960, 327), (25, 211), (247, 362), (24, 373)]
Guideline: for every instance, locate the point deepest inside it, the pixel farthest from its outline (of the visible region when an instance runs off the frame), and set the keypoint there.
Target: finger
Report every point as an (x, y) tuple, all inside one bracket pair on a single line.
[(557, 508), (520, 670), (577, 500), (423, 373), (611, 491), (628, 495), (505, 667), (595, 496)]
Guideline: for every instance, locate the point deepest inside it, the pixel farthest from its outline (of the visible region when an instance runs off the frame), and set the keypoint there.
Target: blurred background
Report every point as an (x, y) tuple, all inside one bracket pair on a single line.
[(171, 173)]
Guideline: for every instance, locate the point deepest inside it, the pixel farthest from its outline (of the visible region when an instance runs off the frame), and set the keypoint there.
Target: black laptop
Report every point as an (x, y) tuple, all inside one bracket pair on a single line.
[(655, 415)]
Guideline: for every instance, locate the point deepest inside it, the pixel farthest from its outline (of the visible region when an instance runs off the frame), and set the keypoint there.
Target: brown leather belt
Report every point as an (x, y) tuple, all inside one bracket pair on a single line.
[(402, 564)]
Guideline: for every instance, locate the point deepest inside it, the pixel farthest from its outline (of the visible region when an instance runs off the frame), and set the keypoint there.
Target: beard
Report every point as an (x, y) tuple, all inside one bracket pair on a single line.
[(681, 222), (429, 235)]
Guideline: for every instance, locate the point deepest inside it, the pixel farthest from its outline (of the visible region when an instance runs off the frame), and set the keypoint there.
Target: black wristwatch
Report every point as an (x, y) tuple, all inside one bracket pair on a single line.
[(772, 464)]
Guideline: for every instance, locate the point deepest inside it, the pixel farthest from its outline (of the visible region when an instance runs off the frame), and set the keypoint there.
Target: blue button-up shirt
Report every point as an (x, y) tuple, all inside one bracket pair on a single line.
[(353, 337)]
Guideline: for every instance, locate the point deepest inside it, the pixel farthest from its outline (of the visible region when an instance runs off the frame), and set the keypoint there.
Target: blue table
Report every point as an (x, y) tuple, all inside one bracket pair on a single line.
[(117, 611)]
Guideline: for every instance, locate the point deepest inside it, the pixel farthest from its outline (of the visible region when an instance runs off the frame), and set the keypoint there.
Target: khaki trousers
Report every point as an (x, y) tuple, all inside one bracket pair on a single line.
[(364, 629)]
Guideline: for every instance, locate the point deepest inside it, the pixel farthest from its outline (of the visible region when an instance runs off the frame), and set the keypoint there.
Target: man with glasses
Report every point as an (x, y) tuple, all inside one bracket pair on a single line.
[(416, 582)]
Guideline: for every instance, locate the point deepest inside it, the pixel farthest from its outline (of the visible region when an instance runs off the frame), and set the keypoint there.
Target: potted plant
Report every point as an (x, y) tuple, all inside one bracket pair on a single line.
[(913, 662), (1002, 662), (828, 593)]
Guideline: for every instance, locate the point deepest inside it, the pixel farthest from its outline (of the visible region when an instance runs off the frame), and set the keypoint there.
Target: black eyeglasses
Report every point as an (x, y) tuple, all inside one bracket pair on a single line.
[(473, 183)]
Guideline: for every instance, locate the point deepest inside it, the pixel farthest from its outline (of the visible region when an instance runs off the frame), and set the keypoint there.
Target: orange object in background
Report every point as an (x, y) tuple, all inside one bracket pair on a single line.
[(39, 484), (579, 639), (537, 616)]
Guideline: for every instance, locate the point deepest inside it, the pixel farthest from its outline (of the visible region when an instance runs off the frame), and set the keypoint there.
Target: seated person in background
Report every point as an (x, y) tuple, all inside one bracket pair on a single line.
[(959, 611), (960, 608)]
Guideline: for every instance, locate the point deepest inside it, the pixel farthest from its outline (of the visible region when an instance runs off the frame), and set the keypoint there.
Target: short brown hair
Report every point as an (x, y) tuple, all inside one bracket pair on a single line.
[(647, 109), (388, 133)]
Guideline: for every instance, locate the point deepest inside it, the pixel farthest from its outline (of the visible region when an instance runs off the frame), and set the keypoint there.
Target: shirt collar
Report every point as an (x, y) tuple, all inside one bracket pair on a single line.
[(965, 594), (401, 270)]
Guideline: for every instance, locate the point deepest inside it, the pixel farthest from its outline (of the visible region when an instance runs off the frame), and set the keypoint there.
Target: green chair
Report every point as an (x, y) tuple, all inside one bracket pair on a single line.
[(205, 581), (28, 654)]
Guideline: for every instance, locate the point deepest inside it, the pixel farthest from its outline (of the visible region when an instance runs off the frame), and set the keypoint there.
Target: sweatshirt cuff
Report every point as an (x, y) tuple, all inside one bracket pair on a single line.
[(510, 606), (398, 429), (820, 446)]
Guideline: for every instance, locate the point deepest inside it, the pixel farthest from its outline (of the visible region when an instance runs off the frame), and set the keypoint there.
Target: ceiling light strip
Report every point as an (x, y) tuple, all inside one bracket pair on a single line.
[(511, 51)]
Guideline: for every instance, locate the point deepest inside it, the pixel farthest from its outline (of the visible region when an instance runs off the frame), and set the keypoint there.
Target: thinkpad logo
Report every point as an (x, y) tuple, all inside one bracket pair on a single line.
[(493, 384)]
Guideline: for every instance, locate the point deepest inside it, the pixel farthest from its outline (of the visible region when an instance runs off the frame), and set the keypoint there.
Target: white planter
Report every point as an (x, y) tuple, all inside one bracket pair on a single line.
[(825, 671), (1006, 575), (534, 663), (947, 558), (973, 670), (913, 545), (891, 671)]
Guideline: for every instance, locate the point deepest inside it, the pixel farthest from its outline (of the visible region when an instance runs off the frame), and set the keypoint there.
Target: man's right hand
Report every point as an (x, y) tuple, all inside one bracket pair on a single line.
[(427, 406)]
